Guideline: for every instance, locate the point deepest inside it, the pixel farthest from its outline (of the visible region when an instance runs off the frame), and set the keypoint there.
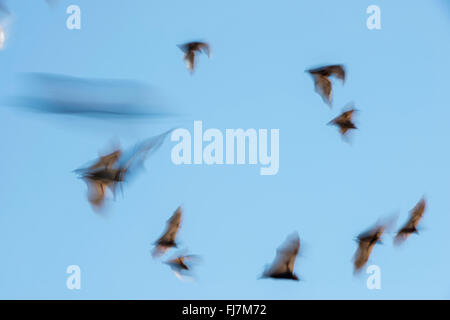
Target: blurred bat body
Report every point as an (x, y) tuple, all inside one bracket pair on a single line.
[(322, 83), (167, 240), (115, 168), (105, 98), (410, 226), (106, 161), (366, 242), (283, 265), (191, 49), (98, 182), (344, 121), (181, 265)]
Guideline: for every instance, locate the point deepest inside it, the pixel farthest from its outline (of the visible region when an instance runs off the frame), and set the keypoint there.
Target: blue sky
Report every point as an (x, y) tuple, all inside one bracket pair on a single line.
[(326, 189)]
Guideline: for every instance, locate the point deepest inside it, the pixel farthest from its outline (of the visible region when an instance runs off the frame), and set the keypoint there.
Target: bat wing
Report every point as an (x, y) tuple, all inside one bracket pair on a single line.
[(185, 47), (285, 258), (104, 162), (411, 225), (323, 87), (362, 254), (107, 161), (168, 238), (189, 59), (372, 234), (172, 226), (347, 115), (343, 130), (337, 70), (205, 48), (417, 212), (182, 263), (135, 158), (344, 121), (366, 242), (96, 193)]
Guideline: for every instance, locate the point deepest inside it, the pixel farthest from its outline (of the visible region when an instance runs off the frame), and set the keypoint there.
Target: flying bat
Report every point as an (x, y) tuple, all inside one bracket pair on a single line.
[(283, 265), (366, 242), (410, 226), (322, 83), (99, 177), (167, 240), (182, 264), (106, 161), (113, 169), (190, 50), (344, 121)]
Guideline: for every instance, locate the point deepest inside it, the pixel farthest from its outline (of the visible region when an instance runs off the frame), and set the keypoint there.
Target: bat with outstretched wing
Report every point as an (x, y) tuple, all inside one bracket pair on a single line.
[(344, 121), (182, 264), (283, 265), (366, 242), (113, 169), (322, 82), (103, 162), (410, 226), (190, 50), (167, 240), (99, 176)]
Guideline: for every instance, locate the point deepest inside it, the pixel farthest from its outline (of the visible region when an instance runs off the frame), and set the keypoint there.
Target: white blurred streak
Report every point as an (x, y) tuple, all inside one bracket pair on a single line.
[(2, 38), (5, 23)]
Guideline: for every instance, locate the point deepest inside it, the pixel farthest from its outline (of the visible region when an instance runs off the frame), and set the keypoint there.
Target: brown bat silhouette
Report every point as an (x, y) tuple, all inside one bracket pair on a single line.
[(97, 184), (101, 176), (190, 50), (344, 121), (167, 240), (410, 226), (182, 264), (322, 83), (366, 242), (113, 169), (283, 265), (178, 263), (106, 161)]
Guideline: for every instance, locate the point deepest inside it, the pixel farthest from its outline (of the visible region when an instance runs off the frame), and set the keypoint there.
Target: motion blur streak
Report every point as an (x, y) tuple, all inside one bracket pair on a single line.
[(62, 94)]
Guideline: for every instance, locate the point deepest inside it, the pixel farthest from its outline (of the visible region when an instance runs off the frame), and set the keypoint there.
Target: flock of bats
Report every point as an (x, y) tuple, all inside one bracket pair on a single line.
[(112, 170), (323, 84)]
